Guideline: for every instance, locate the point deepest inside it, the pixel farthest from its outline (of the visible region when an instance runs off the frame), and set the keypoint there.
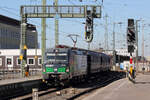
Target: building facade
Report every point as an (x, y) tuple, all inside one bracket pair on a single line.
[(10, 34), (9, 59), (124, 52)]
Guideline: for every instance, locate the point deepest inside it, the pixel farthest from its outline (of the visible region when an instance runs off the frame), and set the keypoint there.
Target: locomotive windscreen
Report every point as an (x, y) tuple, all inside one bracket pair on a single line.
[(56, 62), (57, 57)]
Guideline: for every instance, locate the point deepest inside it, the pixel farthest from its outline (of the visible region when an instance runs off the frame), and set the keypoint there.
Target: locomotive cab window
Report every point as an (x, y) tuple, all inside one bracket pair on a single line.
[(57, 57)]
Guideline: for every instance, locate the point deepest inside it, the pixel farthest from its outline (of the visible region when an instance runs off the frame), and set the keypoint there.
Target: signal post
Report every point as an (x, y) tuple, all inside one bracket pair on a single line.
[(131, 41)]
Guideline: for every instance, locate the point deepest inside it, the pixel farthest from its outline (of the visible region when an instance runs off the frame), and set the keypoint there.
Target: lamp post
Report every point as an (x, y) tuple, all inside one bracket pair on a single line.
[(136, 36), (143, 43), (114, 43), (114, 53)]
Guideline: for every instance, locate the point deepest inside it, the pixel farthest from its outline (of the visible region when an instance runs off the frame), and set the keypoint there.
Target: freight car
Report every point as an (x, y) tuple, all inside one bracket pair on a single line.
[(64, 64)]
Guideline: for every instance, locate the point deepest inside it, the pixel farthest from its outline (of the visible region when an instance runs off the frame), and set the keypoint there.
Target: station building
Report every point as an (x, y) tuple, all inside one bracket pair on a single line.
[(9, 59), (10, 34)]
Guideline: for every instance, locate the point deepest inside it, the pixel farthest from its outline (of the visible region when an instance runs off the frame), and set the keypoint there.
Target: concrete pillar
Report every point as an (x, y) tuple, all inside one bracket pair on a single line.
[(34, 94)]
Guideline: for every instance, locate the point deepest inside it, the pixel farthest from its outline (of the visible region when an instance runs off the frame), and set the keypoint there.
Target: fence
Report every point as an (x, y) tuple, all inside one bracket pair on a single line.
[(16, 73)]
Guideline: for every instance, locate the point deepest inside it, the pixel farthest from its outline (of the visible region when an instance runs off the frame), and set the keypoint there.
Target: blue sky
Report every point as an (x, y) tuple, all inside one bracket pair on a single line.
[(117, 10)]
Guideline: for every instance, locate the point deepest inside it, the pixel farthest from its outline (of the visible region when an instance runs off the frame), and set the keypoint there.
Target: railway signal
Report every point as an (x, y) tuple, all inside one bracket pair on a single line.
[(131, 48), (89, 26), (25, 52), (131, 35), (131, 70), (23, 58)]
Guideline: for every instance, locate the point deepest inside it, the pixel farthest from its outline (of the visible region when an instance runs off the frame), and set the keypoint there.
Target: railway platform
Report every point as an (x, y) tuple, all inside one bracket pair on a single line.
[(13, 87), (124, 90), (19, 80)]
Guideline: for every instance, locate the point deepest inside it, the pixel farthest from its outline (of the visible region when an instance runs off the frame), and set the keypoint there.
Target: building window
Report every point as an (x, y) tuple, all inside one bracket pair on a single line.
[(31, 61), (9, 61), (0, 61), (39, 61), (18, 61)]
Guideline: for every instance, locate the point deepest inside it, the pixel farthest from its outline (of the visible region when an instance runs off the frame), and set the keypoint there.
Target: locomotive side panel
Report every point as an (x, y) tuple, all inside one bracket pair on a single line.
[(81, 64), (99, 62), (93, 63)]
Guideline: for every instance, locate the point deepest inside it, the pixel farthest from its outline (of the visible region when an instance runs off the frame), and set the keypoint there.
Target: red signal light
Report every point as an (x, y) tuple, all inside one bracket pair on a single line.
[(130, 60)]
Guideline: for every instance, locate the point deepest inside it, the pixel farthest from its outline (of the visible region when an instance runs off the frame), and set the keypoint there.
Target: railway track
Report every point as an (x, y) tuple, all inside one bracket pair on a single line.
[(78, 90), (40, 93), (100, 83)]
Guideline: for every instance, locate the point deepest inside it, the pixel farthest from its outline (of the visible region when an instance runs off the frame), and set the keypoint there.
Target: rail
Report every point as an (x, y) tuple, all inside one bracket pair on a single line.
[(77, 90)]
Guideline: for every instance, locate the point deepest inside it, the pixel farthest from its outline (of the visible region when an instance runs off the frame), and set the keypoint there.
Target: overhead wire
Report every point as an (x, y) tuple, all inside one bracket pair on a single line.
[(47, 25), (62, 32), (29, 19), (71, 2)]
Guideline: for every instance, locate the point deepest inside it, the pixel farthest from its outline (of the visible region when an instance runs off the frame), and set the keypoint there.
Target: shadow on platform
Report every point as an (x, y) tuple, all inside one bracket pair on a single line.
[(142, 82)]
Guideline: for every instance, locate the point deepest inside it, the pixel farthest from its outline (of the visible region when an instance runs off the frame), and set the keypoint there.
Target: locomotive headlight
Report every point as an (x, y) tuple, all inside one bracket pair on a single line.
[(55, 69), (56, 50), (67, 70)]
